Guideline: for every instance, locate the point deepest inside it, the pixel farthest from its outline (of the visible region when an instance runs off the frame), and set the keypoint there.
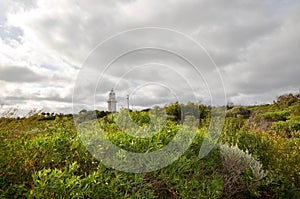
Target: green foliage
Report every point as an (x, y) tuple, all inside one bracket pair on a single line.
[(177, 112), (101, 183), (45, 158), (287, 100), (238, 111), (280, 156), (48, 160), (101, 114), (275, 116), (174, 111), (287, 129), (140, 118), (232, 127)]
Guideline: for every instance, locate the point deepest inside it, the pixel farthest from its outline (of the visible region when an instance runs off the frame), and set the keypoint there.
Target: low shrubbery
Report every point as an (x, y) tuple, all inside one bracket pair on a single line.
[(43, 158), (241, 172)]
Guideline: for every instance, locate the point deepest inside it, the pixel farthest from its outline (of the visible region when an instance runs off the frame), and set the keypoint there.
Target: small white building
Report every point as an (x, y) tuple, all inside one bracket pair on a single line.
[(112, 102)]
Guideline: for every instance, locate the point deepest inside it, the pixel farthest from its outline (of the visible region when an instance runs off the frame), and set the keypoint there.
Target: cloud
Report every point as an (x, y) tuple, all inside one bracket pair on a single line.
[(18, 74), (253, 43), (270, 65)]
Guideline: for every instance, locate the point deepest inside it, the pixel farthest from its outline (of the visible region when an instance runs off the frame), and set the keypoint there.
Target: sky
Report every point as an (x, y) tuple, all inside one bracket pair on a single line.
[(60, 54)]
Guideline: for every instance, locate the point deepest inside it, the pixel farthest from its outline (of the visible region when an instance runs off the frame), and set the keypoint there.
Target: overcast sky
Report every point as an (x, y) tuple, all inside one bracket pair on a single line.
[(48, 48)]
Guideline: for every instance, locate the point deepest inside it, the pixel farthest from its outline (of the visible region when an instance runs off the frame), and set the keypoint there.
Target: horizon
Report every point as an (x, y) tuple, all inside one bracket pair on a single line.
[(15, 112)]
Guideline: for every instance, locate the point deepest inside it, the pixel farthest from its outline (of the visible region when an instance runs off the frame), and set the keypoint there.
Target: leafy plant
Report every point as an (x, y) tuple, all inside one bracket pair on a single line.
[(236, 175)]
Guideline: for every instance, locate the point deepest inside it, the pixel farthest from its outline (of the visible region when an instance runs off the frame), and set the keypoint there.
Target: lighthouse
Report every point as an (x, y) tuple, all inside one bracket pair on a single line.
[(111, 102)]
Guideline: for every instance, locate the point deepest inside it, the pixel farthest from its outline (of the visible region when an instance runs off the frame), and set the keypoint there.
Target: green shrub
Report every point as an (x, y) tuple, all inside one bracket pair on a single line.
[(47, 158), (238, 111), (275, 116), (231, 130), (280, 156)]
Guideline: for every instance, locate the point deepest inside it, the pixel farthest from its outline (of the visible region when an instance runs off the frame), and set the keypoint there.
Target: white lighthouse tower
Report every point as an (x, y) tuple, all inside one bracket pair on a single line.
[(112, 103)]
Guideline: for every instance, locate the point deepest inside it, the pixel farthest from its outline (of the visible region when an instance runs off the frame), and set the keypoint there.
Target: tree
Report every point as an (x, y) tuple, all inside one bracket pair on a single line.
[(287, 100), (174, 111)]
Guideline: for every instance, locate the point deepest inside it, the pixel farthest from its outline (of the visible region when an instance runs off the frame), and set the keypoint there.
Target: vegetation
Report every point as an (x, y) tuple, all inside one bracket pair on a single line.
[(42, 156)]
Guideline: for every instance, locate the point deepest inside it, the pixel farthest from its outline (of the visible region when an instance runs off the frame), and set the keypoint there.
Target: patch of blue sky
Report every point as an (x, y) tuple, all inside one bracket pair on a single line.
[(49, 67), (45, 86), (76, 67), (10, 33), (134, 84)]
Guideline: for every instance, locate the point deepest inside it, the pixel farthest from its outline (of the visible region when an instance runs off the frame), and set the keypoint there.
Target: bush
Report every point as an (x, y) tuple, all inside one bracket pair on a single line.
[(68, 183), (275, 116), (280, 156), (231, 130), (47, 158), (239, 111), (287, 100), (241, 172)]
